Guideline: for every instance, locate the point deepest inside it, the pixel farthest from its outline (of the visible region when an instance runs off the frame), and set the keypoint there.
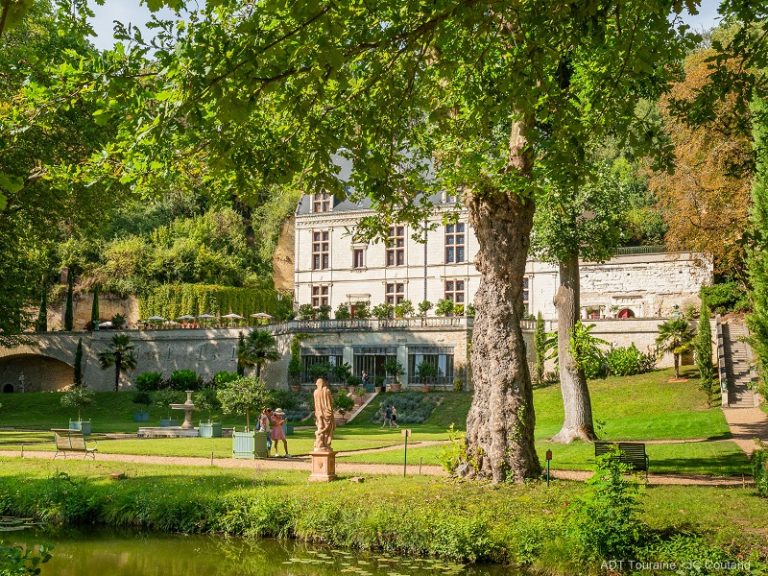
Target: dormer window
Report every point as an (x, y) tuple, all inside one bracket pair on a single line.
[(321, 203)]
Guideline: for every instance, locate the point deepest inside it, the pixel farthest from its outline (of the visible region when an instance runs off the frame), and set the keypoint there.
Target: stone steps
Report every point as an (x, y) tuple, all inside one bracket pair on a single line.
[(738, 369)]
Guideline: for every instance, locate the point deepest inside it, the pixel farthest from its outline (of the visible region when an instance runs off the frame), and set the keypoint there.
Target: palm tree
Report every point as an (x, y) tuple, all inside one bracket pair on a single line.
[(120, 355), (259, 348), (675, 336)]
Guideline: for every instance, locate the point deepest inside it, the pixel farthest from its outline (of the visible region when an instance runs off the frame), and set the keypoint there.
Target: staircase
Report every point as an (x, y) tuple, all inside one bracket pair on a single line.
[(734, 355)]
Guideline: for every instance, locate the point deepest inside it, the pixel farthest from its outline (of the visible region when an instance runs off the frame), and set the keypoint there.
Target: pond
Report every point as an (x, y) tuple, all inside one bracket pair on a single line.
[(130, 554)]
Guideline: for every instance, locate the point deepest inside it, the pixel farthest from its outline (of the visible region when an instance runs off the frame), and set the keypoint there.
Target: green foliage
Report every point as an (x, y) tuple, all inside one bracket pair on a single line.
[(362, 310), (725, 297), (207, 401), (760, 471), (629, 361), (412, 407), (424, 307), (444, 307), (382, 311), (321, 370), (393, 368), (453, 453), (118, 321), (342, 312), (119, 354), (342, 402), (174, 300), (221, 378), (604, 523), (77, 397), (323, 312), (243, 396), (184, 379), (163, 398), (703, 354), (427, 372), (691, 551), (149, 381), (307, 312), (540, 348), (404, 309), (69, 307), (95, 307), (675, 336), (42, 315), (23, 560), (143, 398), (258, 348), (586, 352)]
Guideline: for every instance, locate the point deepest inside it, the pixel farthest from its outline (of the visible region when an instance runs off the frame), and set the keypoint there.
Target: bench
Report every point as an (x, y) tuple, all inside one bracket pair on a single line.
[(632, 453), (71, 441)]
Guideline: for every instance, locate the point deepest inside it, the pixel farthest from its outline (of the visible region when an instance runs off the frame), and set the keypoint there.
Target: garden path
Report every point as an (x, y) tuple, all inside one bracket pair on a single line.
[(747, 424), (302, 464)]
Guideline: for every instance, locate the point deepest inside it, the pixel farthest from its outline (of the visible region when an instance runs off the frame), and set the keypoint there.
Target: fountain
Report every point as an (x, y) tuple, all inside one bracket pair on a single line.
[(186, 430)]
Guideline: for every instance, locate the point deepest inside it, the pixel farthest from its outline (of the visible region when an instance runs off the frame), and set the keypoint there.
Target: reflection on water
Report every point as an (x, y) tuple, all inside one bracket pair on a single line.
[(78, 554)]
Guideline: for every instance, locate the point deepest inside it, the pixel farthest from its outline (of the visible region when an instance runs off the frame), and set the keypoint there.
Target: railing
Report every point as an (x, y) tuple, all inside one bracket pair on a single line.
[(625, 250), (310, 326)]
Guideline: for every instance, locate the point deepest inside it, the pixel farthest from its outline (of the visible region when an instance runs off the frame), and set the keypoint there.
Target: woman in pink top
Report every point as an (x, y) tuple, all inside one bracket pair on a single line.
[(277, 432)]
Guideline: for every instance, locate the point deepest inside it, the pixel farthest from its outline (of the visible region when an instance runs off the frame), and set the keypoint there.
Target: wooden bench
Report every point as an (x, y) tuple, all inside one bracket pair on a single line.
[(71, 441), (631, 453)]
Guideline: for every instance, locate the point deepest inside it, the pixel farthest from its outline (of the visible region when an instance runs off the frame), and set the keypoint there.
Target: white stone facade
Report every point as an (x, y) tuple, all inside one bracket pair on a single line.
[(331, 268)]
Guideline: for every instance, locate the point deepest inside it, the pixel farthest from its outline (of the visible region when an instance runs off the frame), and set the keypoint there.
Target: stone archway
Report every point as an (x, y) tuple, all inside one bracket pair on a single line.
[(625, 313), (34, 373)]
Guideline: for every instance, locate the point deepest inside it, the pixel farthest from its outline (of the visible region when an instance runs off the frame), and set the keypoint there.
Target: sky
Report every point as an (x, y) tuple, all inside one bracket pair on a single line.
[(131, 11)]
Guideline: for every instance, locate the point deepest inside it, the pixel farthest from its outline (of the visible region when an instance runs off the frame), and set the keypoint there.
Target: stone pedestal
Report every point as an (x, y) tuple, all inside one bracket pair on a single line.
[(323, 466)]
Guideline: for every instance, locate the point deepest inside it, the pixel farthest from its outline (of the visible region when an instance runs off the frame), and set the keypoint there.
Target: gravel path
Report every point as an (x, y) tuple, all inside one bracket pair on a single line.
[(747, 425), (303, 464)]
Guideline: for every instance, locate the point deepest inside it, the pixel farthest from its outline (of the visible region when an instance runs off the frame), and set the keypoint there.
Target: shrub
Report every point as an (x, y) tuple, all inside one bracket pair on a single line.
[(243, 397), (342, 312), (342, 402), (628, 361), (362, 310), (604, 522), (283, 399), (18, 560), (163, 399), (149, 381), (412, 407), (221, 378), (143, 398), (207, 401), (306, 312), (383, 311), (724, 298), (444, 307), (77, 397), (184, 379), (324, 312), (760, 471), (424, 307), (453, 453), (404, 309)]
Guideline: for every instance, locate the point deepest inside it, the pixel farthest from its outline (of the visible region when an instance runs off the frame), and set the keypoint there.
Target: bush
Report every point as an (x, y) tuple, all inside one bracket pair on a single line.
[(412, 407), (760, 471), (306, 312), (149, 381), (343, 402), (453, 453), (184, 379), (724, 298), (143, 398), (604, 522), (629, 361), (223, 377)]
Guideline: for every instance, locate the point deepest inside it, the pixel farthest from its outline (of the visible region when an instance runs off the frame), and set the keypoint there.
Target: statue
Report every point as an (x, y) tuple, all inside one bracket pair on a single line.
[(324, 419)]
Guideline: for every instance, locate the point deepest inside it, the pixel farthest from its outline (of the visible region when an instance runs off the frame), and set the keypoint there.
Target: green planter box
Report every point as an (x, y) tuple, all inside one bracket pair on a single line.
[(249, 445), (83, 425), (210, 430)]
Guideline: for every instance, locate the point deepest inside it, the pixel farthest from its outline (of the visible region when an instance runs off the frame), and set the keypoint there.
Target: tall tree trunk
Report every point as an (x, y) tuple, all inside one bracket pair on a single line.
[(676, 356), (573, 384), (501, 419)]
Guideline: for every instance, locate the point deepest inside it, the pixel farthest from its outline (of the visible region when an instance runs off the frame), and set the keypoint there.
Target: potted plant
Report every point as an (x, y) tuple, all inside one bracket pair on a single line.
[(404, 309), (352, 383), (207, 401), (242, 397), (78, 397), (424, 307), (426, 373), (142, 398), (444, 307), (343, 404), (359, 395), (378, 384), (382, 311), (394, 369), (163, 399), (307, 312)]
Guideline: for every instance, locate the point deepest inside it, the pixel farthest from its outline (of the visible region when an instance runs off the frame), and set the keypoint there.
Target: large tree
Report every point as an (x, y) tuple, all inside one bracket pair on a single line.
[(481, 98)]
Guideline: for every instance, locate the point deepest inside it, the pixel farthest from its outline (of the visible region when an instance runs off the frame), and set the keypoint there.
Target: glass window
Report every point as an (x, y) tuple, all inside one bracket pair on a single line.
[(454, 243), (358, 258), (396, 246), (320, 296), (454, 291), (320, 250), (321, 203), (395, 293), (526, 292)]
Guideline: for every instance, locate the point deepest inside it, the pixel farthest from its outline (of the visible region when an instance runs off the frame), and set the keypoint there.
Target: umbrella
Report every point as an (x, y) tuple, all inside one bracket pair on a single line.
[(262, 315), (232, 316), (155, 319), (206, 317), (186, 317)]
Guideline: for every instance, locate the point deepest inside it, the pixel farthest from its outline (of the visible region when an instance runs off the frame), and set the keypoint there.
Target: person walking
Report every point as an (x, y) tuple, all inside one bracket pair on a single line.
[(264, 420), (278, 432), (387, 416), (394, 416)]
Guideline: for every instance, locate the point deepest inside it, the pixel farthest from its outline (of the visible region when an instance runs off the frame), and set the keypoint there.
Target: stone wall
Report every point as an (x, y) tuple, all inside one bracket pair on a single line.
[(109, 306)]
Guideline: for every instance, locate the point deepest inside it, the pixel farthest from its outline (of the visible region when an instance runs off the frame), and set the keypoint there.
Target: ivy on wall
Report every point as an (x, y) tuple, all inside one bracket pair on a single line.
[(174, 300)]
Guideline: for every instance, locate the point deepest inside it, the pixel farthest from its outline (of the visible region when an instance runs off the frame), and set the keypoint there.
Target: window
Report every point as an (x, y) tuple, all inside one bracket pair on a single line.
[(454, 243), (439, 358), (320, 244), (395, 293), (319, 296), (321, 203), (526, 307), (396, 246), (358, 258), (454, 291)]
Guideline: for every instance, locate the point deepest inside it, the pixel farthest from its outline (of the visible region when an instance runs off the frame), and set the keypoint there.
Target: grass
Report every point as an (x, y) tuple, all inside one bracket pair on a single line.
[(413, 516)]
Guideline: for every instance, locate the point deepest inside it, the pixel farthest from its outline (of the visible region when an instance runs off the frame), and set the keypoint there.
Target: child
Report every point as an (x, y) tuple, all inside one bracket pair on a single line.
[(394, 416), (277, 432)]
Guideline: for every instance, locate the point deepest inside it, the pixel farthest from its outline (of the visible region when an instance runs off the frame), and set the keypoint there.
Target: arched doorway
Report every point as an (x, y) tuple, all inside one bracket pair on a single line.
[(34, 373), (625, 313), (8, 389)]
